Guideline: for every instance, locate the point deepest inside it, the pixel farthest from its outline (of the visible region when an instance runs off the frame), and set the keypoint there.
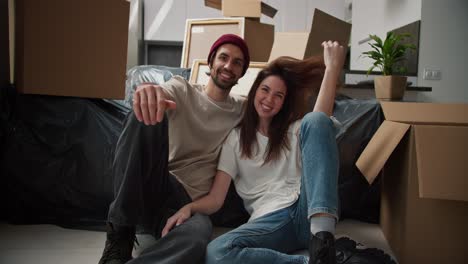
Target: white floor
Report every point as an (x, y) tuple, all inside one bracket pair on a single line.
[(49, 244)]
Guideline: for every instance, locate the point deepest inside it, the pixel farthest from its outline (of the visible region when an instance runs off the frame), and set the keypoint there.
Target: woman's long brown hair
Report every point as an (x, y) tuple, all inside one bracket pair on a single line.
[(303, 79)]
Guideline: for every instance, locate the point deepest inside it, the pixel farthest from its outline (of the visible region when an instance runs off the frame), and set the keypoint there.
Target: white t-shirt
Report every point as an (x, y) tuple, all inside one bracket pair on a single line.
[(267, 188)]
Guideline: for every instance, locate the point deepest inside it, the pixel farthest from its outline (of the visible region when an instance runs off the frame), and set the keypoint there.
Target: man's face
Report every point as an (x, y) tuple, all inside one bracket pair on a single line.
[(227, 65)]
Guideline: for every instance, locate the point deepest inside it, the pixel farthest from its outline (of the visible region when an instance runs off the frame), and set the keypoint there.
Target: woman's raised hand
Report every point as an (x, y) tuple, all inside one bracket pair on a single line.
[(333, 55)]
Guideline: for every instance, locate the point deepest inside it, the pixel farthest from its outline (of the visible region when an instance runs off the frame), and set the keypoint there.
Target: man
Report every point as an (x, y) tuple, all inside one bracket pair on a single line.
[(167, 155)]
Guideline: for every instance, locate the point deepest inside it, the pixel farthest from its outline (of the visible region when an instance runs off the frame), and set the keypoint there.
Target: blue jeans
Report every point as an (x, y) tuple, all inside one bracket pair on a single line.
[(269, 239)]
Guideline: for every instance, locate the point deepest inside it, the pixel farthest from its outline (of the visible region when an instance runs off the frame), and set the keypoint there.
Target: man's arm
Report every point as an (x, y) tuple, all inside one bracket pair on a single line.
[(150, 102), (207, 204)]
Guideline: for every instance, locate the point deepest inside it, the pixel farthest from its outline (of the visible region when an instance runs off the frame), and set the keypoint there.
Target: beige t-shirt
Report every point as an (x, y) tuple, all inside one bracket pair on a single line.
[(197, 130)]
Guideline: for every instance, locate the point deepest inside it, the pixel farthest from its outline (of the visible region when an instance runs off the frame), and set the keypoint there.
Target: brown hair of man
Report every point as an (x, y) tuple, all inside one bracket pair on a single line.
[(303, 79)]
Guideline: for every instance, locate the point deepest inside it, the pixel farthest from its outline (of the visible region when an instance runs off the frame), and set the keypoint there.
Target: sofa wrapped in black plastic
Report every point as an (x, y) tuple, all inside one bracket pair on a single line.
[(56, 154)]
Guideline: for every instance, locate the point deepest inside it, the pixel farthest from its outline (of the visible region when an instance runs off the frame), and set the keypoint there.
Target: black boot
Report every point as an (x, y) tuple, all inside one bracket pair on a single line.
[(119, 244), (347, 252), (322, 248)]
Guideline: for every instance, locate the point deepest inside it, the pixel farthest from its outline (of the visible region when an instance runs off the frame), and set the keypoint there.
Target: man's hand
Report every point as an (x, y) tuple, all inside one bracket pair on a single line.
[(150, 102), (178, 218)]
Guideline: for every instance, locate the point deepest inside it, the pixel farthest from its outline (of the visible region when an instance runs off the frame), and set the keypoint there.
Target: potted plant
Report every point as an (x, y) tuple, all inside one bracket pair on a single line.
[(386, 54)]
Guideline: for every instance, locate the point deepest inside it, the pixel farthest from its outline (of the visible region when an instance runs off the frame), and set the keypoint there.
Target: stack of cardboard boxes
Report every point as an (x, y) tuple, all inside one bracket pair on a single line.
[(241, 18)]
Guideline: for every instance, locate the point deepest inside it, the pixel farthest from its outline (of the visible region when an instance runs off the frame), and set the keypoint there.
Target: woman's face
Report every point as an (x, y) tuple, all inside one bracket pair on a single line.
[(269, 97)]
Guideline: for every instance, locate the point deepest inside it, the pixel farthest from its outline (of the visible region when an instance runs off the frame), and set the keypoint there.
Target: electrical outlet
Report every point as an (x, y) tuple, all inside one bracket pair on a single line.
[(432, 74), (436, 75)]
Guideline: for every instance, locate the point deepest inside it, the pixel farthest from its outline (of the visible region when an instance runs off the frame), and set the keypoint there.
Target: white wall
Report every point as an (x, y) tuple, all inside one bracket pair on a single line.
[(443, 35), (134, 33), (165, 19), (377, 17), (443, 39)]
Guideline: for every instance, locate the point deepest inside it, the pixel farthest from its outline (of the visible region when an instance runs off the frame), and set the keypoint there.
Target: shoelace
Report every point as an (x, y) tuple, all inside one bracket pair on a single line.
[(322, 256), (341, 257)]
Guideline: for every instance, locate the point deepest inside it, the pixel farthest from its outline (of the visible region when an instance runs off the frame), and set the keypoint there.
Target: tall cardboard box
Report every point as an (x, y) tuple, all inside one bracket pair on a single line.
[(72, 48), (301, 45), (200, 34), (242, 8), (423, 150), (4, 45)]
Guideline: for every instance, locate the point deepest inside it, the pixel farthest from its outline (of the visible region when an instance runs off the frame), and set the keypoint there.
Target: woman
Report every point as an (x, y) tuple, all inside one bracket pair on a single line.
[(263, 157)]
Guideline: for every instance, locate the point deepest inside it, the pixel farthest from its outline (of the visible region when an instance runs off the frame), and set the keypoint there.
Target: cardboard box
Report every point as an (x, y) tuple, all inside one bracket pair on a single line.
[(72, 48), (200, 34), (4, 45), (242, 8), (424, 205), (301, 45)]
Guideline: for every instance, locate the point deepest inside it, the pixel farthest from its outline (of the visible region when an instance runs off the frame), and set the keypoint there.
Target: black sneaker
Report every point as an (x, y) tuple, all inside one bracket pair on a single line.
[(347, 252), (119, 244), (322, 248)]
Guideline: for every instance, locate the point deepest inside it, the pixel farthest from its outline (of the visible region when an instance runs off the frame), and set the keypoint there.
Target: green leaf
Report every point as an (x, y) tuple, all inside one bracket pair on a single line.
[(388, 52)]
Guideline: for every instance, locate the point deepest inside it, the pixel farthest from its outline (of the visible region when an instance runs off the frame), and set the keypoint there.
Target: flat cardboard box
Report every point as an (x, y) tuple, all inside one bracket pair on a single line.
[(422, 149), (301, 45), (293, 44), (72, 48), (242, 8), (200, 34)]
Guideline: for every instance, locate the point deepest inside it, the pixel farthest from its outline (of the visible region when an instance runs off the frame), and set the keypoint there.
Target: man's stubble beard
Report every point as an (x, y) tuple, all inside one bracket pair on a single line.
[(218, 83)]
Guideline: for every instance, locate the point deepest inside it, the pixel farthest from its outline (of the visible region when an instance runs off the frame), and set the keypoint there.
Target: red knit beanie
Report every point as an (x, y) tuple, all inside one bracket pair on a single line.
[(235, 40)]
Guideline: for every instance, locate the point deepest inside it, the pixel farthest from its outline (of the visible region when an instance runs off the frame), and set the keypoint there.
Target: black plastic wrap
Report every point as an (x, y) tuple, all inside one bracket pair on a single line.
[(57, 153), (57, 158), (151, 74), (360, 119)]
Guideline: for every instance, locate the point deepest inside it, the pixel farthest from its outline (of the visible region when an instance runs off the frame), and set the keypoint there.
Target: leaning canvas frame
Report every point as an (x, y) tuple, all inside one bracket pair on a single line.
[(200, 34), (200, 68)]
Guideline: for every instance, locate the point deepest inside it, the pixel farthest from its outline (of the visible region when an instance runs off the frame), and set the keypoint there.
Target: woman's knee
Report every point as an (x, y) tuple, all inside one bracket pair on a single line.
[(316, 119), (317, 128), (215, 251)]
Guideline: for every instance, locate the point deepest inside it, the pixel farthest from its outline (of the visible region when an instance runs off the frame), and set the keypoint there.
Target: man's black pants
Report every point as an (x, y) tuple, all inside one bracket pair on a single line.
[(146, 194)]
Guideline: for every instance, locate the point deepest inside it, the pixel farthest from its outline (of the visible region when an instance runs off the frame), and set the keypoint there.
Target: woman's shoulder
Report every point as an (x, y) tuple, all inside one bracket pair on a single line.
[(295, 127), (234, 136)]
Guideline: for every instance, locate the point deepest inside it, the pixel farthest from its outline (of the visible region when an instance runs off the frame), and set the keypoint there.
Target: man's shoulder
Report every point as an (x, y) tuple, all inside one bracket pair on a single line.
[(237, 99), (177, 80), (179, 85)]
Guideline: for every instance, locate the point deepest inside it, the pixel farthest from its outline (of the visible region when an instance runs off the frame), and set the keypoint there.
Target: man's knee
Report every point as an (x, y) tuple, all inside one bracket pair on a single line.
[(195, 232), (132, 122), (201, 224)]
